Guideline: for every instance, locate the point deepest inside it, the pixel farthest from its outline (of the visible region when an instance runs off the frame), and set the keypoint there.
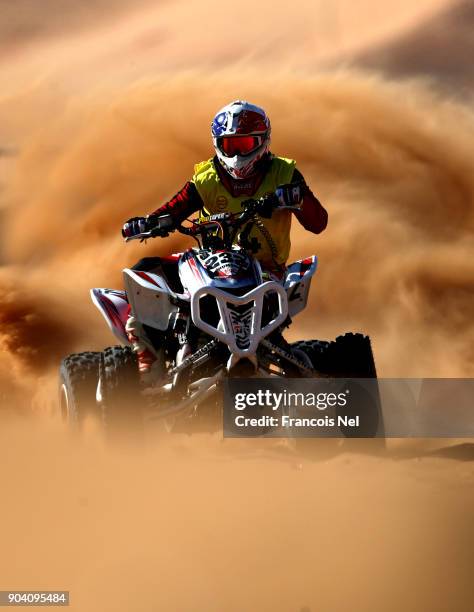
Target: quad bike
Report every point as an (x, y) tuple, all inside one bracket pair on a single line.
[(206, 314)]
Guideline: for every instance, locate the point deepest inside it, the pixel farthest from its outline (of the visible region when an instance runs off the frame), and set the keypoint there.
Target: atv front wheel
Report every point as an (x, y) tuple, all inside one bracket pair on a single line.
[(349, 356), (122, 409), (78, 378)]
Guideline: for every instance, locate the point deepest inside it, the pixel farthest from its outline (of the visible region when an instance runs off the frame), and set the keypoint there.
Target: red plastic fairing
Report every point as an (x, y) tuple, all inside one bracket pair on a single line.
[(146, 277), (173, 258)]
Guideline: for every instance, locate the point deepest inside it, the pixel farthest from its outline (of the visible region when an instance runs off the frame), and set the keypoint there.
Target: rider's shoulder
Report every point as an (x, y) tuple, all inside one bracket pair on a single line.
[(282, 169), (204, 170), (284, 162)]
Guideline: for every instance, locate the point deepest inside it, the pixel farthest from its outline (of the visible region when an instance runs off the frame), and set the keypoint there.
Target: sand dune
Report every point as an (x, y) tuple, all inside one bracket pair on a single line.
[(27, 22), (439, 48)]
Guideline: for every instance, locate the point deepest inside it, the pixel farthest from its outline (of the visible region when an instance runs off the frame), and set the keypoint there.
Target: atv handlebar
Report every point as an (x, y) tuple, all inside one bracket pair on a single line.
[(234, 221)]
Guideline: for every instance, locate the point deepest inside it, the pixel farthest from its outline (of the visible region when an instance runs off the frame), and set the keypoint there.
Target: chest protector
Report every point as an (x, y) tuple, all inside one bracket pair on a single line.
[(272, 235)]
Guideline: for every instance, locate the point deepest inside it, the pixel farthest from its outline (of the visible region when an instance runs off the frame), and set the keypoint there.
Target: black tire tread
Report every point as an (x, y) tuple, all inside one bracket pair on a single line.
[(80, 373), (122, 410), (348, 356)]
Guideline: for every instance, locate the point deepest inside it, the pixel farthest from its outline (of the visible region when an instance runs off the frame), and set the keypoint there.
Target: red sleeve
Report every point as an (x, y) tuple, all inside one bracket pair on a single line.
[(312, 215), (186, 202)]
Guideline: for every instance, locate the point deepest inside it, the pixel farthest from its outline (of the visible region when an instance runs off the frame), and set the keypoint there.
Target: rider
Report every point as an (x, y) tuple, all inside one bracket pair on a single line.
[(242, 168)]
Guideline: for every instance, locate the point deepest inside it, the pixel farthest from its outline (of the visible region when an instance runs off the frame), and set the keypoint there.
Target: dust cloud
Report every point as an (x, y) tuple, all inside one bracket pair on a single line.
[(102, 119), (396, 261)]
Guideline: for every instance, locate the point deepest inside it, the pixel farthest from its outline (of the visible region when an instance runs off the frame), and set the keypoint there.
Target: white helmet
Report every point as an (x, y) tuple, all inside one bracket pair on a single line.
[(241, 136)]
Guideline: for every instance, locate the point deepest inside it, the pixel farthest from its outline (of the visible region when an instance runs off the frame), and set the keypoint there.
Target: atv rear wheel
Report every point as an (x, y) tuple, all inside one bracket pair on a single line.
[(122, 409), (78, 378)]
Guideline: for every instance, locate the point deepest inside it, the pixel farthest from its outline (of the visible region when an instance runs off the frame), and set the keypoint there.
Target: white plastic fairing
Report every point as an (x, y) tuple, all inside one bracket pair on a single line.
[(240, 325), (149, 297), (297, 283), (114, 307)]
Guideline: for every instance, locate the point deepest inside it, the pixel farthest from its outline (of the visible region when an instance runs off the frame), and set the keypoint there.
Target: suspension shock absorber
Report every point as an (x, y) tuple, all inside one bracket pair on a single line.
[(180, 327)]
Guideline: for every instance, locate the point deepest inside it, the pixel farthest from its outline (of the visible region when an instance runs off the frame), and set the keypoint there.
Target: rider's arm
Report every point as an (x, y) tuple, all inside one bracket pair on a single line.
[(312, 215), (186, 202)]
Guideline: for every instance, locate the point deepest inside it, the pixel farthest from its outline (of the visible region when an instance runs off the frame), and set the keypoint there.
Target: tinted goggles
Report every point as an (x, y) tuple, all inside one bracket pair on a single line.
[(239, 145)]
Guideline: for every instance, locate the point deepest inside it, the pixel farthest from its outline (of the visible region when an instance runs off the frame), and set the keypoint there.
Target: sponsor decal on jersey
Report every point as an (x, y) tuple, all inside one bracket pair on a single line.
[(221, 202)]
